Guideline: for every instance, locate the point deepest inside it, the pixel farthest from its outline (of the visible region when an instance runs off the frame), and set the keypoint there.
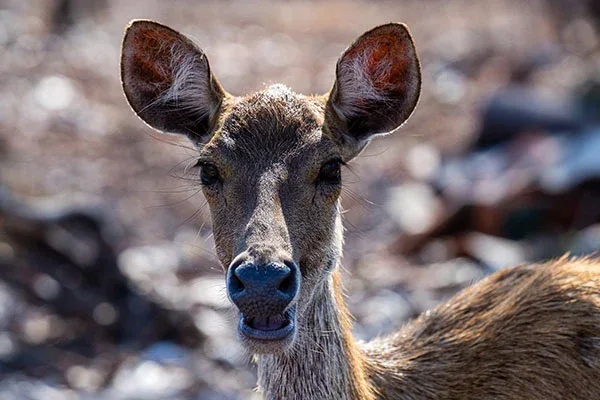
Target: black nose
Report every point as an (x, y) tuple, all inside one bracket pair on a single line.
[(263, 290)]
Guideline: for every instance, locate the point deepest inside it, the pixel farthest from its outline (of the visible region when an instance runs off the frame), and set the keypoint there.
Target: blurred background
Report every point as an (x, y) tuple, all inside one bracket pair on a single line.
[(109, 287)]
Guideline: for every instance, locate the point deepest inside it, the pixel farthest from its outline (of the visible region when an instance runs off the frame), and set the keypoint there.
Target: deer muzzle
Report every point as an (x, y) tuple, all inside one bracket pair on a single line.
[(264, 293)]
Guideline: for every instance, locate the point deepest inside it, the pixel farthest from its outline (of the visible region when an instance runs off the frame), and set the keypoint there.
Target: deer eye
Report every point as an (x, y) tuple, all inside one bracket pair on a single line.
[(330, 172), (209, 174)]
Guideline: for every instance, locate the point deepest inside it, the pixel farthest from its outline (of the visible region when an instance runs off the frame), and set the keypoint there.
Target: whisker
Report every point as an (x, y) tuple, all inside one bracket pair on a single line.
[(151, 207)]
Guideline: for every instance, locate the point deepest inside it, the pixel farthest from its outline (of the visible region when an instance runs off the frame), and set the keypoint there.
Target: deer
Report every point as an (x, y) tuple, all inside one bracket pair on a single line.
[(269, 165)]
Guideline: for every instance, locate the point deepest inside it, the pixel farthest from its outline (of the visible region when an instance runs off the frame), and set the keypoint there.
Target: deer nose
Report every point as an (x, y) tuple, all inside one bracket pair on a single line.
[(263, 289)]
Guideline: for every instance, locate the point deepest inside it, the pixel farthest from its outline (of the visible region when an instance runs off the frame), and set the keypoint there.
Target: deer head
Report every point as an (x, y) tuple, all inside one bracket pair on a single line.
[(269, 163)]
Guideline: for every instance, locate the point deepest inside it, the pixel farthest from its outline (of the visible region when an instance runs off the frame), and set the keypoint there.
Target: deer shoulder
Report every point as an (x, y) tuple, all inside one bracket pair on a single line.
[(528, 332)]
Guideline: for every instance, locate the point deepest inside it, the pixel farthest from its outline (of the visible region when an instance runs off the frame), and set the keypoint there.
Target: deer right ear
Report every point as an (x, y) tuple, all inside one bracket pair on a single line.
[(167, 81), (377, 86)]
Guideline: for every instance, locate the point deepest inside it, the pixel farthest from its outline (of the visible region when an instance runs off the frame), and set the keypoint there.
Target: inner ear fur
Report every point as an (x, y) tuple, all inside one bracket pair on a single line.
[(377, 86), (167, 80)]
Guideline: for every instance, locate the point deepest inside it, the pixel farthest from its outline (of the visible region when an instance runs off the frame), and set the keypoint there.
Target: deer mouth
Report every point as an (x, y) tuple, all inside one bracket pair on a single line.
[(273, 327)]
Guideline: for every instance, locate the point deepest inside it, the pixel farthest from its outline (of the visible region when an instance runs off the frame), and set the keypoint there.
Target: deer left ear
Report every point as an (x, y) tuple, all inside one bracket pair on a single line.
[(378, 82), (168, 82)]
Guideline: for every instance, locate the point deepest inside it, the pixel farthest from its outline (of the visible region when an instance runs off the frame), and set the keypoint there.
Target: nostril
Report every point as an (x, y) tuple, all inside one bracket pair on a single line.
[(287, 285), (234, 284)]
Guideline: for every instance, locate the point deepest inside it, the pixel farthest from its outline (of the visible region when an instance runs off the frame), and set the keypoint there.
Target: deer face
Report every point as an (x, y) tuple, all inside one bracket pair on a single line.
[(272, 180), (269, 163)]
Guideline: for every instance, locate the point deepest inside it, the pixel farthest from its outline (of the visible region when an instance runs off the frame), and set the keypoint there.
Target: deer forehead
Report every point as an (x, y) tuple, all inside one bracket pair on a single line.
[(272, 126)]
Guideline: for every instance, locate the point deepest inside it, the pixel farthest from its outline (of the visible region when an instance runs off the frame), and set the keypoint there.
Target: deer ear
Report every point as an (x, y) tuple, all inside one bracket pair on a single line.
[(167, 81), (378, 81)]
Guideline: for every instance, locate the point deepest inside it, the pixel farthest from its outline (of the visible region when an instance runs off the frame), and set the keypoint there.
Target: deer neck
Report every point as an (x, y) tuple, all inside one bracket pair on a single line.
[(325, 362)]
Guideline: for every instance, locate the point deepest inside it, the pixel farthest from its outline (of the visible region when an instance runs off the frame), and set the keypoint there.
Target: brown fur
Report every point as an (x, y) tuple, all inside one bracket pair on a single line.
[(531, 332)]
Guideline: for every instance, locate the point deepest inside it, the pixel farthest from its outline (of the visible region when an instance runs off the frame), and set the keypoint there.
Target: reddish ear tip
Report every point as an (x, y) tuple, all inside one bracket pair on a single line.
[(378, 81), (147, 54), (135, 24), (133, 27), (140, 25)]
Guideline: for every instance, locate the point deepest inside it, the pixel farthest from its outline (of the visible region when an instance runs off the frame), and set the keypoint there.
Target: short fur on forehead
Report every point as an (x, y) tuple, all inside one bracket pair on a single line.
[(378, 82), (167, 80), (275, 119)]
